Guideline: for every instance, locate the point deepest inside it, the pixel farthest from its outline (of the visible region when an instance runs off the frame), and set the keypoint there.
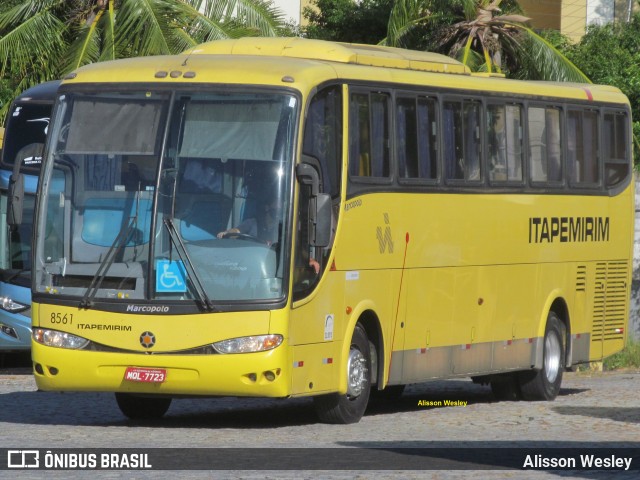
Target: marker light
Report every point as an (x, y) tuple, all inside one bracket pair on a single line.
[(10, 306), (54, 338), (258, 343), (7, 330)]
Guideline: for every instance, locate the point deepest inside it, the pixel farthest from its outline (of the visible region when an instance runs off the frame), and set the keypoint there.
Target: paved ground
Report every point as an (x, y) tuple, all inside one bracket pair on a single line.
[(592, 410)]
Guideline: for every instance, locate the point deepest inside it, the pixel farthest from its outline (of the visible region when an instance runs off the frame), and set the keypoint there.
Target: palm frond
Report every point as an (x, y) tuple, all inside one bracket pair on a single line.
[(260, 15), (200, 27), (466, 51), (220, 9), (205, 30), (107, 26), (547, 62), (86, 46), (406, 16), (24, 11), (233, 19), (83, 50), (460, 9), (140, 28), (474, 60), (20, 54)]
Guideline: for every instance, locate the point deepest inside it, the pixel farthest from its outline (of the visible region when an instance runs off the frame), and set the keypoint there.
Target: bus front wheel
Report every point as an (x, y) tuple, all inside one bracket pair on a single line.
[(141, 407), (544, 384), (350, 407)]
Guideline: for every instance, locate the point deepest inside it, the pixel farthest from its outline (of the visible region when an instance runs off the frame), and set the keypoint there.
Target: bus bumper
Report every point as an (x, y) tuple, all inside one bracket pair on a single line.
[(261, 374)]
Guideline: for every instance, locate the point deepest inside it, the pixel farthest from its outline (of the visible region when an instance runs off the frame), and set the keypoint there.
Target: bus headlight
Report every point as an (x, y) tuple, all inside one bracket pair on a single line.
[(54, 338), (10, 306), (258, 343)]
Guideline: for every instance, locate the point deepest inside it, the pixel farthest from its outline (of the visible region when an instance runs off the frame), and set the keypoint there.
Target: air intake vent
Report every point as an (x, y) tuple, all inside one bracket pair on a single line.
[(610, 301), (581, 278)]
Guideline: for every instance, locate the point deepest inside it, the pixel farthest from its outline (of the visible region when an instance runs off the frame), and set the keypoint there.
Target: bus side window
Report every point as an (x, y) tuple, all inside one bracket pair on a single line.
[(504, 142), (614, 149), (582, 146), (472, 142), (369, 135), (514, 142), (545, 152), (452, 132), (462, 142), (416, 133)]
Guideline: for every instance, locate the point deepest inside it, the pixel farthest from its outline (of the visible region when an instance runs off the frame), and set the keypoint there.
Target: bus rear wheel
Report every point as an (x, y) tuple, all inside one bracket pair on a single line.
[(350, 407), (544, 384), (138, 407)]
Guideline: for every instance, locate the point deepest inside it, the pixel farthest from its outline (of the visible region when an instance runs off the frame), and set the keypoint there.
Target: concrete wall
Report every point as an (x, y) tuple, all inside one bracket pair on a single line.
[(634, 316)]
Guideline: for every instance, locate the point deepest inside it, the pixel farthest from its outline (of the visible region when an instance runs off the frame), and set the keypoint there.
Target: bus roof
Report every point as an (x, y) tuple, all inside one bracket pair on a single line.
[(42, 92), (371, 55), (303, 64)]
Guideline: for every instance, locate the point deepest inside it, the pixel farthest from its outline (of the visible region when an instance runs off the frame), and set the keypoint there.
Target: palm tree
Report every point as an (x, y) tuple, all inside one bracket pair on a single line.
[(45, 39), (480, 36)]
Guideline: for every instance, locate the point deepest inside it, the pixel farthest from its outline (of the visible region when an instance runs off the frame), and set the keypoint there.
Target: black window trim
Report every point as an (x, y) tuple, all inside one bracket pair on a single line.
[(371, 180), (362, 185), (524, 166), (395, 164)]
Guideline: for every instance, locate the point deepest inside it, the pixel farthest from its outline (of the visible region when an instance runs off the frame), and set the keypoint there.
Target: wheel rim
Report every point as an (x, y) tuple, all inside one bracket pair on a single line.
[(552, 350), (356, 373)]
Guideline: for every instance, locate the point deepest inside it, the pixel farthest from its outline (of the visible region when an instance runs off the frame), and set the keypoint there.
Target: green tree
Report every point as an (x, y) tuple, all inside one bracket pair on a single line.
[(8, 5), (45, 39), (610, 54), (350, 21), (480, 35), (5, 86)]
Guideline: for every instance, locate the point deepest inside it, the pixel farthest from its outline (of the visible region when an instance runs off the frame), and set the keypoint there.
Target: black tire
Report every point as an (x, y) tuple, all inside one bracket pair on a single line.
[(350, 407), (544, 384), (505, 387), (138, 407)]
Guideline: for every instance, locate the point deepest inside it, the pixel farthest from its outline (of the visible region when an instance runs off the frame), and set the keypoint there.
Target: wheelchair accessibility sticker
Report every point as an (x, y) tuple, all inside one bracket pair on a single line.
[(170, 276)]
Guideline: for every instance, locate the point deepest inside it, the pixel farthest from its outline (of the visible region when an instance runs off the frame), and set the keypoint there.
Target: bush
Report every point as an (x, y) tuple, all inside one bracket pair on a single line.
[(629, 357)]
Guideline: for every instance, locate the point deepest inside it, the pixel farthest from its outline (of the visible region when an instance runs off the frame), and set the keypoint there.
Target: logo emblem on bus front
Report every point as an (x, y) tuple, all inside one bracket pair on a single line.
[(147, 339)]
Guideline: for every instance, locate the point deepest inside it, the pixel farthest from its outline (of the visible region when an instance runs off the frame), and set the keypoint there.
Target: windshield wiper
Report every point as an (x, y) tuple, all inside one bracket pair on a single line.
[(193, 275), (107, 261)]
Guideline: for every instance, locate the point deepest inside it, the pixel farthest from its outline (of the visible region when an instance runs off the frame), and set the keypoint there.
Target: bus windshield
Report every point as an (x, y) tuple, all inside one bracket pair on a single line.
[(172, 196)]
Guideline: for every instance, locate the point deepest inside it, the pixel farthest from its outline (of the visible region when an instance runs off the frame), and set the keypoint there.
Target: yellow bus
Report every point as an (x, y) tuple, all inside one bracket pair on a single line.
[(289, 217)]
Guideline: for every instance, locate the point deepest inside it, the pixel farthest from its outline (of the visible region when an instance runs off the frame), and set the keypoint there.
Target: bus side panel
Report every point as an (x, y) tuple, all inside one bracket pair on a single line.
[(430, 305), (322, 316), (461, 322), (316, 331), (316, 368), (374, 294), (509, 307)]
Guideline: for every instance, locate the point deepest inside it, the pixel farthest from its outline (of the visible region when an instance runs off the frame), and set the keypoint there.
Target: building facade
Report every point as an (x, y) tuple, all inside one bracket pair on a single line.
[(572, 17)]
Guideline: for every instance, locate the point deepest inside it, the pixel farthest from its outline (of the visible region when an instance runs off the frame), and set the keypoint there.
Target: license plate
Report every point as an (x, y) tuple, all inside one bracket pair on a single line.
[(147, 375)]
